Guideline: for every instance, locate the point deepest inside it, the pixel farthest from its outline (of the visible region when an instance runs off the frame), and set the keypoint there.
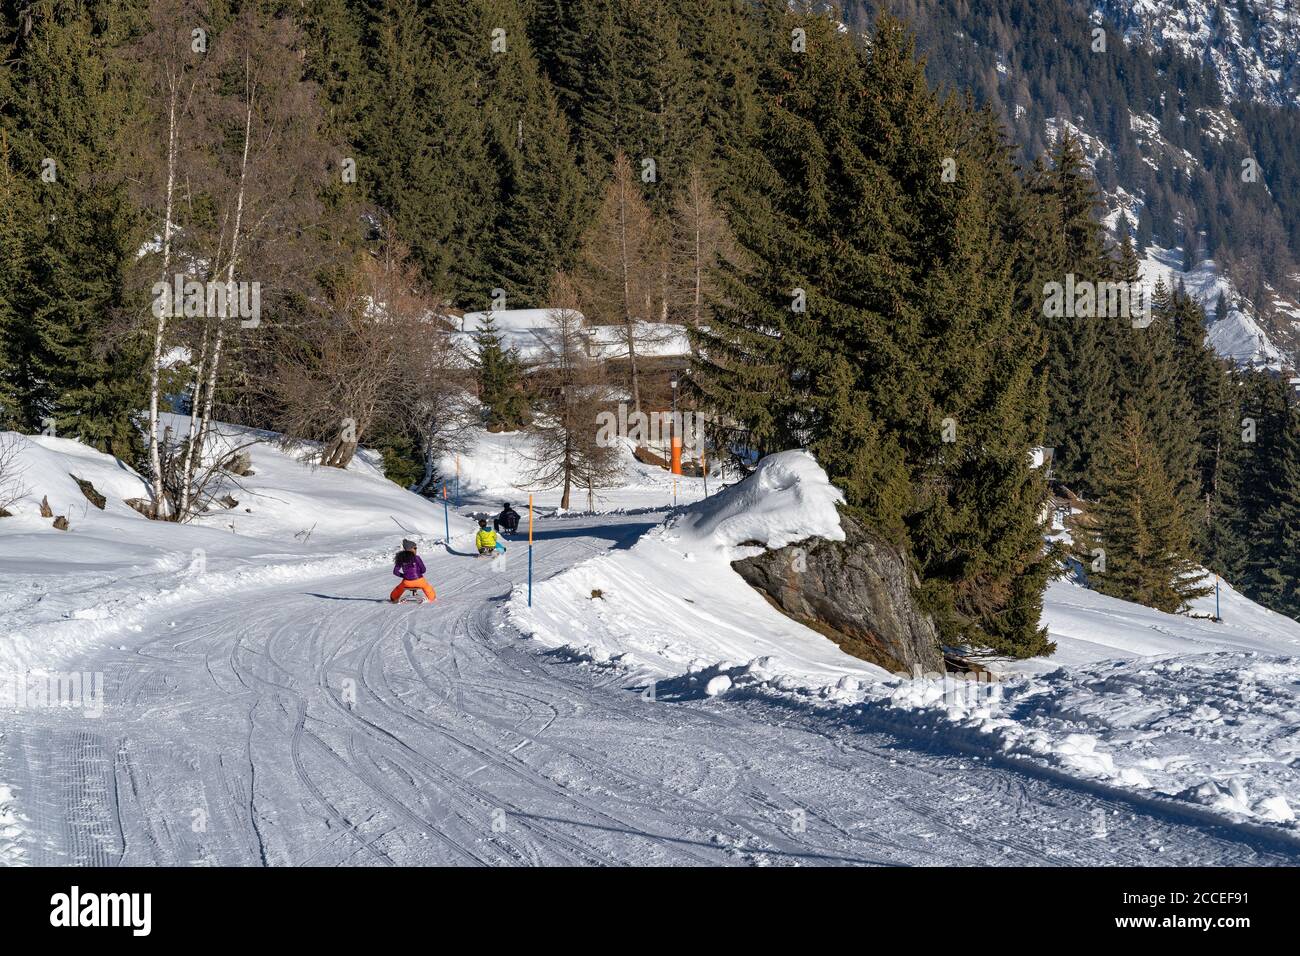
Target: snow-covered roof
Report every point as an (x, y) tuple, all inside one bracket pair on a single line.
[(532, 335), (507, 320)]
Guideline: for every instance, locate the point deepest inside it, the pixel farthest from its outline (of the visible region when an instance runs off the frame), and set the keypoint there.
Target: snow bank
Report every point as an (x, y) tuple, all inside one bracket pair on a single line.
[(1213, 729), (787, 499), (1177, 707), (672, 608), (112, 571), (11, 852)]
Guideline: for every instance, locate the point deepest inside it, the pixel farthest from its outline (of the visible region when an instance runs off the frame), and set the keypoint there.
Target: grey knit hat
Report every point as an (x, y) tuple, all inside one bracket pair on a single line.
[(408, 544)]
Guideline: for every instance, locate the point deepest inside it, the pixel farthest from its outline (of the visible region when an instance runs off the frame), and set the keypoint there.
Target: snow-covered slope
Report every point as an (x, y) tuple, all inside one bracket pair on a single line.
[(60, 590), (1177, 706), (672, 606), (1251, 45), (1236, 335)]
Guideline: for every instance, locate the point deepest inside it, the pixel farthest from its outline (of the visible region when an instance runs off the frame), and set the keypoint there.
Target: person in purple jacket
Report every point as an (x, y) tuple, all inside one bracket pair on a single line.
[(408, 566)]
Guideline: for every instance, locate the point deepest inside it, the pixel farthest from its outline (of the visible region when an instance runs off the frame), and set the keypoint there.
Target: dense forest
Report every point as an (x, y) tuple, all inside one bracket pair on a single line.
[(1166, 132), (859, 253)]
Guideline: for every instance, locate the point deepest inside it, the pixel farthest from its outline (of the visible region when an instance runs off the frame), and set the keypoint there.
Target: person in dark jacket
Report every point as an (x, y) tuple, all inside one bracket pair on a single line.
[(408, 566), (507, 520)]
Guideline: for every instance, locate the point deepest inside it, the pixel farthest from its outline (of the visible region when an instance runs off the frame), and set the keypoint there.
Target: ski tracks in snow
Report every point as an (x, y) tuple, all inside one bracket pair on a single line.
[(313, 725)]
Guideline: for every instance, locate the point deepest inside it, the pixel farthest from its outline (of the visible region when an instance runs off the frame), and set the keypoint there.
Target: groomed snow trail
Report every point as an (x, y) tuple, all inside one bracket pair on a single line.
[(316, 724)]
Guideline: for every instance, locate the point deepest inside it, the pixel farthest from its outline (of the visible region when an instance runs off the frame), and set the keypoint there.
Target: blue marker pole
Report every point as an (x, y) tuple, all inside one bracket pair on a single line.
[(1217, 615), (530, 550), (446, 520)]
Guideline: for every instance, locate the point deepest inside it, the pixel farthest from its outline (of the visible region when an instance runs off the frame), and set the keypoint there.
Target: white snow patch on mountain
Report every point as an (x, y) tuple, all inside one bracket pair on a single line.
[(1237, 335), (1252, 57)]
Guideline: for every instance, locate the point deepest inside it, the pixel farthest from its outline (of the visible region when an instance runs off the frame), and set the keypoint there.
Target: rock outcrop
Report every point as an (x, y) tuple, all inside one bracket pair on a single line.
[(858, 592), (87, 489)]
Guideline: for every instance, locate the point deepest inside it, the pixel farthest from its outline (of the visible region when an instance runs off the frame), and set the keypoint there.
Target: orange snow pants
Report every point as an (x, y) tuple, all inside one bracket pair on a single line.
[(418, 584)]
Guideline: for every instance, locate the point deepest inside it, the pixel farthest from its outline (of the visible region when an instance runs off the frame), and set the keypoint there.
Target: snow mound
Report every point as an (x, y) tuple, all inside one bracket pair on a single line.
[(44, 467), (1215, 729), (787, 499), (11, 830), (672, 607)]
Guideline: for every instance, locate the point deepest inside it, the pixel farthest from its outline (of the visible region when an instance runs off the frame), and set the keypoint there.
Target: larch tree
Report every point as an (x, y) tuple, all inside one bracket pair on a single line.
[(619, 267), (569, 450), (700, 238)]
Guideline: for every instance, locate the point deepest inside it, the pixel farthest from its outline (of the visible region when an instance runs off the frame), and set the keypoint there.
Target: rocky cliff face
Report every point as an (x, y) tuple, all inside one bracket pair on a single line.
[(858, 592)]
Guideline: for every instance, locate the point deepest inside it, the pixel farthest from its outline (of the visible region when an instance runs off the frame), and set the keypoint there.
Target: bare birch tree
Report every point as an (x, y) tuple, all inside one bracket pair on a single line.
[(172, 69), (247, 197)]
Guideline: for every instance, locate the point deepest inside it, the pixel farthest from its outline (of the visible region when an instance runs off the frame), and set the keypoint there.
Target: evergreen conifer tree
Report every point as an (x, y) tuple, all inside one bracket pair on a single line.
[(1138, 542), (74, 107), (500, 386)]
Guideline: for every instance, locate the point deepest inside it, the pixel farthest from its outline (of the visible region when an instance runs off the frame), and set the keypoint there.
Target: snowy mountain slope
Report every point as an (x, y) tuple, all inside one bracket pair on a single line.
[(1251, 45), (1135, 697), (1237, 335), (1252, 48)]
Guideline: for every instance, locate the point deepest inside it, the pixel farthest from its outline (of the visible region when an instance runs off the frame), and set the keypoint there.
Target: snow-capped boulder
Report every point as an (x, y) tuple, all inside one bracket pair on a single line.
[(858, 592)]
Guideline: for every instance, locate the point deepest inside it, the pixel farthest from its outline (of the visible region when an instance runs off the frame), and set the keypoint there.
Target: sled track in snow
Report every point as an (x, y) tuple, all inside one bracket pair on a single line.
[(317, 726)]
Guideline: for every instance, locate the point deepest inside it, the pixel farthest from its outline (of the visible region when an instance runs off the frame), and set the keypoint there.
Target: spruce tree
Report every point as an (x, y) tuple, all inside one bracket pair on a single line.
[(500, 387), (1254, 457), (424, 151), (876, 320), (1080, 350), (14, 344), (1153, 377), (1273, 568), (74, 108), (1137, 541)]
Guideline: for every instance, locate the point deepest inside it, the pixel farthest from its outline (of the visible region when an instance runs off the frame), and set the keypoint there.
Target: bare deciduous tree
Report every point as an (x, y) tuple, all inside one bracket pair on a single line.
[(622, 265), (11, 471), (700, 236), (251, 188), (572, 392), (375, 349), (172, 72)]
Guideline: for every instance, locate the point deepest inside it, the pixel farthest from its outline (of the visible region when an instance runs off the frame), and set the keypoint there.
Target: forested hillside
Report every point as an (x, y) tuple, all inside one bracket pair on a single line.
[(862, 260), (1175, 98)]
